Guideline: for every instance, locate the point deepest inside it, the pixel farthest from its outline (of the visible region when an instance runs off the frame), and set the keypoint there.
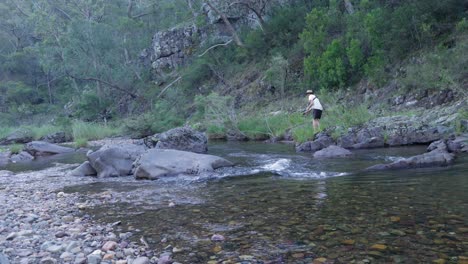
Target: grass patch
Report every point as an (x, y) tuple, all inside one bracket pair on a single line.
[(5, 131), (39, 132), (16, 148), (81, 143), (92, 131)]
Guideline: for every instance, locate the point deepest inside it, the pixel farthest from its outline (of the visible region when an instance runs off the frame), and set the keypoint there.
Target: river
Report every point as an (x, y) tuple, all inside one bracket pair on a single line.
[(278, 206)]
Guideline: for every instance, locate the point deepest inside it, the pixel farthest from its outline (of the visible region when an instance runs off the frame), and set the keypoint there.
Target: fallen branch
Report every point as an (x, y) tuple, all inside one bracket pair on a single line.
[(214, 46), (167, 87)]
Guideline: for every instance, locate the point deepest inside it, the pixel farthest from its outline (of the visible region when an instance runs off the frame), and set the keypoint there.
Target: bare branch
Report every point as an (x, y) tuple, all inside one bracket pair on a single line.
[(214, 46), (169, 85), (116, 87)]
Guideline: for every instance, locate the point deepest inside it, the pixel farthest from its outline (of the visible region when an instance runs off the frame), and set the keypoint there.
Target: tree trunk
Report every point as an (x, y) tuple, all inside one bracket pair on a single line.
[(228, 24), (349, 7), (130, 8)]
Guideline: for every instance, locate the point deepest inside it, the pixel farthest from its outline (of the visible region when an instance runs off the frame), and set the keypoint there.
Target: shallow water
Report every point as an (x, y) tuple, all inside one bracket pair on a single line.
[(277, 206)]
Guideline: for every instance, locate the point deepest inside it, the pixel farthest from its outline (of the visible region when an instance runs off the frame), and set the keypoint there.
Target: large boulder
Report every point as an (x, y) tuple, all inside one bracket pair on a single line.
[(115, 161), (84, 169), (332, 152), (181, 138), (41, 148), (23, 156), (157, 163), (322, 140), (57, 137), (17, 137)]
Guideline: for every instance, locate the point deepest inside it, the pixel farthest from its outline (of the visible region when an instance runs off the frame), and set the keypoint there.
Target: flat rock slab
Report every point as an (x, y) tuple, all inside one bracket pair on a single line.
[(41, 148), (332, 152), (157, 163)]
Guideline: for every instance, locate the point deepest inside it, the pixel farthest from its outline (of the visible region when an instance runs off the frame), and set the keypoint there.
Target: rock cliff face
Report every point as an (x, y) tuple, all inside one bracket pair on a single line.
[(174, 47)]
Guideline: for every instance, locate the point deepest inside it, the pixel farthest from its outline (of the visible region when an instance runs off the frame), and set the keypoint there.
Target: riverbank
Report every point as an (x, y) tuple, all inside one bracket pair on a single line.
[(41, 224)]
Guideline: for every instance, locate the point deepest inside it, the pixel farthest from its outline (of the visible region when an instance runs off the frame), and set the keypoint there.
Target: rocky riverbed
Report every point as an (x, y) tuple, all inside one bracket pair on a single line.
[(41, 224)]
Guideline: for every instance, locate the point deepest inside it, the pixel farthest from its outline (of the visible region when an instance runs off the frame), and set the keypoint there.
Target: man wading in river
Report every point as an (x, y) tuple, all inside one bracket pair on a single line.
[(316, 107)]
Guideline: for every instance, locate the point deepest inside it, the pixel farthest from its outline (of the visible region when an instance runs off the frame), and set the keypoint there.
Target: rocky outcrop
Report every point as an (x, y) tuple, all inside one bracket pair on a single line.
[(17, 137), (157, 163), (332, 152), (41, 148), (174, 47), (114, 161), (181, 138), (437, 157), (322, 140)]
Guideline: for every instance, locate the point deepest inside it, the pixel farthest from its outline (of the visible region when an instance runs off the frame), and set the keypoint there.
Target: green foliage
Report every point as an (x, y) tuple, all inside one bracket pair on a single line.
[(16, 148), (439, 69), (5, 131), (303, 133), (38, 132), (276, 74), (81, 143), (163, 117), (92, 107), (331, 66), (342, 47)]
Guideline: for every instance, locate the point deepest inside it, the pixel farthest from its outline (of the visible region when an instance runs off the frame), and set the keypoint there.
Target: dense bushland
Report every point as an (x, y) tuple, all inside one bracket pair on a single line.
[(80, 59)]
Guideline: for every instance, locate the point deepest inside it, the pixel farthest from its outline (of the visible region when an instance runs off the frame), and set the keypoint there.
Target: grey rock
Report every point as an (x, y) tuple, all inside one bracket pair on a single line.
[(12, 236), (332, 152), (41, 148), (141, 260), (94, 259), (435, 158), (6, 173), (373, 142), (321, 141), (157, 163), (54, 248), (24, 252), (4, 259), (115, 161), (165, 258), (181, 138), (84, 169), (48, 260), (439, 144), (23, 156), (71, 246)]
